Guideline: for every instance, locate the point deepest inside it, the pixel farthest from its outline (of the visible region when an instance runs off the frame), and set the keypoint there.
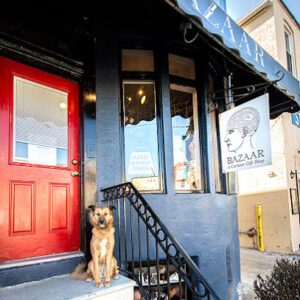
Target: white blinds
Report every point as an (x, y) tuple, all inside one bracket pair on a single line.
[(40, 115)]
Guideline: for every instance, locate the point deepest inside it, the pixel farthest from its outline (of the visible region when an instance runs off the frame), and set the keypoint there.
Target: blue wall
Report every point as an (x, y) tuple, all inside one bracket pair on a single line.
[(204, 224)]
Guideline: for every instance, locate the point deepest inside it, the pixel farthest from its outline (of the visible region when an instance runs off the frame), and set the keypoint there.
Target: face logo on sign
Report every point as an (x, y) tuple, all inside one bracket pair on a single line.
[(241, 126), (245, 135)]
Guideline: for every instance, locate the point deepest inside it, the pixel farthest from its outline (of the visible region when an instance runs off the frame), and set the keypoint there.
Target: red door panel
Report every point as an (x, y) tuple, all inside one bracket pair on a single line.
[(22, 208), (39, 197), (58, 204)]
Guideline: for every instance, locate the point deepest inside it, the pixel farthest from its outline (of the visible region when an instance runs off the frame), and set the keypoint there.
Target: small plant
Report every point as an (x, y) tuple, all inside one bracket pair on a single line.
[(282, 284)]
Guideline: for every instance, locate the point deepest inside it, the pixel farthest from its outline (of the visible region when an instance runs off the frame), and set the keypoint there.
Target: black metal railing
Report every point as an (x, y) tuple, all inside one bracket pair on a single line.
[(148, 253)]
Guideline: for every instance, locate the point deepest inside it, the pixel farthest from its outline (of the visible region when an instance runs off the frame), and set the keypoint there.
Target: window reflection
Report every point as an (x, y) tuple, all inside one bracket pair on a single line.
[(140, 132), (186, 149)]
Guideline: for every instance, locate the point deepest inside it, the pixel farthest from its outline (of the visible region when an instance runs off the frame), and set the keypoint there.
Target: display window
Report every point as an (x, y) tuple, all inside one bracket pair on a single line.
[(140, 135), (186, 143)]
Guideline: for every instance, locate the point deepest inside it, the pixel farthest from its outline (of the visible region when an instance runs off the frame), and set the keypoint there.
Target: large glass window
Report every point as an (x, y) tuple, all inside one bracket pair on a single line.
[(186, 148), (140, 135)]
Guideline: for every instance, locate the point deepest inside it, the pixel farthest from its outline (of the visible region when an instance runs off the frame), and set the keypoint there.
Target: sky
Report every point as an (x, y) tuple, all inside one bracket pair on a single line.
[(237, 8)]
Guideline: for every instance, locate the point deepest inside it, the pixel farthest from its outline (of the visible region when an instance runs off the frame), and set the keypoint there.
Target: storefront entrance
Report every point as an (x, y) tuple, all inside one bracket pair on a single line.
[(39, 163)]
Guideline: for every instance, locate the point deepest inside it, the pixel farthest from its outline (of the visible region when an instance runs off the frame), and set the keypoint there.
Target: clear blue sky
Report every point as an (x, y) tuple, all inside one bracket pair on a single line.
[(237, 8)]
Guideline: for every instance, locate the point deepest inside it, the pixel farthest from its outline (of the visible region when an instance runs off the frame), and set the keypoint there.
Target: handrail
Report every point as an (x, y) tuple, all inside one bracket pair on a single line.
[(188, 272)]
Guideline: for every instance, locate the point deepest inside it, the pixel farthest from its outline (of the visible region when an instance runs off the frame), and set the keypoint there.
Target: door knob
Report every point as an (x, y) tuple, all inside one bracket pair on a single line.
[(75, 173), (74, 161)]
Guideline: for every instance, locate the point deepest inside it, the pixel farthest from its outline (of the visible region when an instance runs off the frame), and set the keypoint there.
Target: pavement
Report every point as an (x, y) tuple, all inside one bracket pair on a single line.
[(254, 262)]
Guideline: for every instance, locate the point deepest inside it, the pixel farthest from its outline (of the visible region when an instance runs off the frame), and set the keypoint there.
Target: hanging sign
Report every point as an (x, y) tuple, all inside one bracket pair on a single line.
[(245, 135)]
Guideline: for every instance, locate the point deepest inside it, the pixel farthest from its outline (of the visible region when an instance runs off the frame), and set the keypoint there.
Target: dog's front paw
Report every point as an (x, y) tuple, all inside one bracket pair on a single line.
[(107, 283), (99, 284), (115, 277)]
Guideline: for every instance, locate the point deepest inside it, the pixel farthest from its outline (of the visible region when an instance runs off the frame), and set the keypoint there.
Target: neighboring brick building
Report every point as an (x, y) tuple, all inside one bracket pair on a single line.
[(273, 26)]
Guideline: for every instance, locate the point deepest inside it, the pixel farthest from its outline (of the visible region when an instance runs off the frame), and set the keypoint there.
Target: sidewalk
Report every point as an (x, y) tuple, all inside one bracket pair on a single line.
[(253, 263)]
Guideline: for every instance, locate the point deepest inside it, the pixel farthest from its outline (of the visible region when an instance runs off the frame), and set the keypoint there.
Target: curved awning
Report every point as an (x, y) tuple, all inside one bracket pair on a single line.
[(211, 20)]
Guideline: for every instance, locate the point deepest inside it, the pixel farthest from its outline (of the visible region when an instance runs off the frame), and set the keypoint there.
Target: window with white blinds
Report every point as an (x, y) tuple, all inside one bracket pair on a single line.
[(40, 124), (289, 44)]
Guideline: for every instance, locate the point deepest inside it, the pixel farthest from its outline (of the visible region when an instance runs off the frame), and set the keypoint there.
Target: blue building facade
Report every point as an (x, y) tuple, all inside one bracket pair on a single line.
[(204, 223)]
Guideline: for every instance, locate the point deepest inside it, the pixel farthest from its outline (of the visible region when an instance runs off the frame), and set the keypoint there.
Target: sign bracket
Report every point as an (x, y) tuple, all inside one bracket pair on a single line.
[(249, 90)]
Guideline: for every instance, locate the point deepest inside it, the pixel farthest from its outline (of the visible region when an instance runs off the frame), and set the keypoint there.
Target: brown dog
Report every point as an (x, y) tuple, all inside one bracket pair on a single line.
[(103, 263)]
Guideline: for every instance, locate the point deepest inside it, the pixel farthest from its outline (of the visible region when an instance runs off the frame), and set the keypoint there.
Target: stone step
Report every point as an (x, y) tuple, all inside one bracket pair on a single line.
[(64, 288), (36, 268)]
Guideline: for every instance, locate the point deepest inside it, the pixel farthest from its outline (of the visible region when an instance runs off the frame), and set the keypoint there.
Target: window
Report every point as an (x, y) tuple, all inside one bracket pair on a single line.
[(219, 177), (290, 58), (40, 128), (185, 130), (224, 182), (140, 135), (298, 186)]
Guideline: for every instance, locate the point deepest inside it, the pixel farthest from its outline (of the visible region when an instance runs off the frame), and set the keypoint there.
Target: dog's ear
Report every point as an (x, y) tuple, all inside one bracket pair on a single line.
[(92, 207), (111, 208)]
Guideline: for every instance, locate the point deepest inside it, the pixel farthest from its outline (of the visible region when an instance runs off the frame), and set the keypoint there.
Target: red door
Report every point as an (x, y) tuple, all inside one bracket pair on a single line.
[(39, 155)]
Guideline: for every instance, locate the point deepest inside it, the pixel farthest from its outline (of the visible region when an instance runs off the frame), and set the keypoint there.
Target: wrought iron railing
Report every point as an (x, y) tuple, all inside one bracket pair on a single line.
[(148, 253)]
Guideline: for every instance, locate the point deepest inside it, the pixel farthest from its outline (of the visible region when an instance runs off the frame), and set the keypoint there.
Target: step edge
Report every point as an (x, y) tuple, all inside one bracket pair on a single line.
[(40, 259), (110, 290), (124, 285), (20, 285)]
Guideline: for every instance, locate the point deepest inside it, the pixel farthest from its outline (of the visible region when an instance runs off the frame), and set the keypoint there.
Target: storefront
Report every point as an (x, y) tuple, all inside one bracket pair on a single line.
[(130, 93)]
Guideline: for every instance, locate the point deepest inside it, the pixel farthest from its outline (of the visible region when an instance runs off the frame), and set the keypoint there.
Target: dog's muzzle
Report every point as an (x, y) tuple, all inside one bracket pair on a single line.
[(101, 222)]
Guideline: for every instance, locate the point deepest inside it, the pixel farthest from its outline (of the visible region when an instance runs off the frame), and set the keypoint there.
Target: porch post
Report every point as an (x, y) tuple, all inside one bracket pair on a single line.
[(108, 158)]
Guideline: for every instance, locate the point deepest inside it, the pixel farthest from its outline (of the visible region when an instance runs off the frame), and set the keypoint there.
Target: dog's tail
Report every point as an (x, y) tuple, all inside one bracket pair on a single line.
[(80, 272)]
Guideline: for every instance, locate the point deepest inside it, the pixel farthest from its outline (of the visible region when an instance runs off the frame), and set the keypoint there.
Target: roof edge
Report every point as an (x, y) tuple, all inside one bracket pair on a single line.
[(290, 13), (253, 11)]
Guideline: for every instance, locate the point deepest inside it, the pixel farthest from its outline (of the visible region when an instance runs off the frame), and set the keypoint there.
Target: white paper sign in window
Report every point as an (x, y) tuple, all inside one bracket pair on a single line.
[(40, 124)]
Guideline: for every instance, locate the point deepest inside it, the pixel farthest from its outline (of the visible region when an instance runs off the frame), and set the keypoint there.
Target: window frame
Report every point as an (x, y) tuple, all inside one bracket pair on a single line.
[(137, 77), (228, 182), (194, 92), (45, 84), (217, 158), (200, 85), (288, 34)]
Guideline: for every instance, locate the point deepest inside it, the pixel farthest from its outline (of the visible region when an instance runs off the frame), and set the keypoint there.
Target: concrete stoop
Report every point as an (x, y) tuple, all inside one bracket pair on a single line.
[(19, 271), (63, 287)]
